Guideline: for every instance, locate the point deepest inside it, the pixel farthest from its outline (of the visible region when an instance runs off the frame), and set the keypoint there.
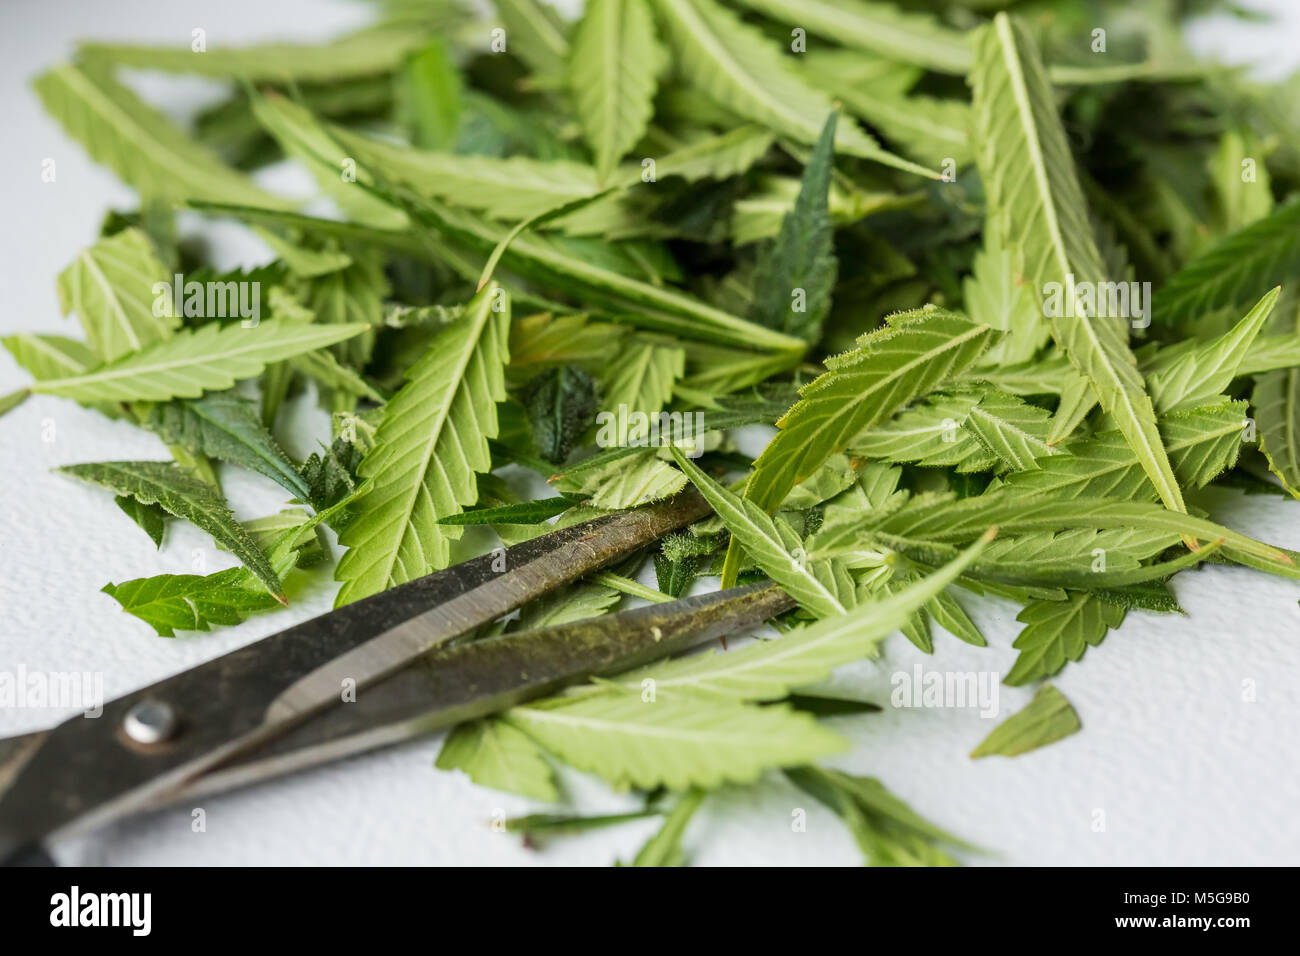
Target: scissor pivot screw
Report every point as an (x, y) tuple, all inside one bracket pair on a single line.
[(150, 722)]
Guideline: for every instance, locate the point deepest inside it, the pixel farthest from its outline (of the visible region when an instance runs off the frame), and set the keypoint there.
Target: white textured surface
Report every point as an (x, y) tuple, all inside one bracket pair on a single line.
[(1184, 769)]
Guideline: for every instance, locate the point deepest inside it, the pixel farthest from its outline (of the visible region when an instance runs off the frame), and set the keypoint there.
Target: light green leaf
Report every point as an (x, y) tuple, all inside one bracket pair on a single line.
[(50, 356), (139, 144), (1080, 558), (301, 260), (640, 378), (918, 38), (429, 96), (1277, 409), (1264, 254), (665, 847), (1057, 631), (929, 130), (210, 358), (887, 830), (351, 295), (185, 496), (1047, 719), (1241, 200), (1016, 512), (494, 754), (1271, 352), (734, 64), (1202, 444), (635, 479), (1029, 175), (879, 28), (717, 157), (335, 168), (952, 617), (325, 370), (1078, 399), (674, 742), (995, 294), (431, 444), (355, 55), (580, 601), (536, 33), (1182, 377), (930, 433), (512, 189), (835, 68), (821, 587), (1013, 430), (887, 370), (769, 670), (613, 71), (112, 288), (617, 295), (191, 602)]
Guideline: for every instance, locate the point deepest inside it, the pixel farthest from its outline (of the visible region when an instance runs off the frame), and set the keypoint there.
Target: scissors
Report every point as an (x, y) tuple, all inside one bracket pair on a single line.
[(277, 705)]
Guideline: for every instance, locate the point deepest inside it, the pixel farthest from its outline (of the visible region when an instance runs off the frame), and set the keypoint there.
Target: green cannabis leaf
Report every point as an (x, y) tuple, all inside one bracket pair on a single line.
[(796, 273), (227, 428), (735, 65), (112, 288), (888, 832), (1277, 405), (560, 404), (428, 449), (1060, 631), (823, 587), (210, 358), (609, 251), (495, 754), (665, 847), (1047, 719), (181, 494), (191, 602), (614, 64), (624, 482), (675, 742), (879, 28), (640, 380), (887, 370), (1032, 185), (769, 670), (360, 54), (150, 517), (1262, 254), (1181, 377), (138, 143)]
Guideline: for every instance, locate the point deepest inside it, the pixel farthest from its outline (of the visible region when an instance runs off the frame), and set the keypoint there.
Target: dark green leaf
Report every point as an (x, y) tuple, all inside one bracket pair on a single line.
[(181, 494)]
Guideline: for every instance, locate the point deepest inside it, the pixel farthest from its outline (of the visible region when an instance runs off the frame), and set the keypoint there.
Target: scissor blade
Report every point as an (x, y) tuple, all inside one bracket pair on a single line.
[(88, 771), (485, 677)]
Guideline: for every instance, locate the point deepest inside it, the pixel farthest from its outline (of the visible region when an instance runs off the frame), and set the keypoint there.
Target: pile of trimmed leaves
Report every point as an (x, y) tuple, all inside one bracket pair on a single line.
[(922, 243)]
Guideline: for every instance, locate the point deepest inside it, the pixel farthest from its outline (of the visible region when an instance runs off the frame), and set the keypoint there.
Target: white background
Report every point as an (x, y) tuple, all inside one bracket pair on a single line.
[(1185, 771)]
